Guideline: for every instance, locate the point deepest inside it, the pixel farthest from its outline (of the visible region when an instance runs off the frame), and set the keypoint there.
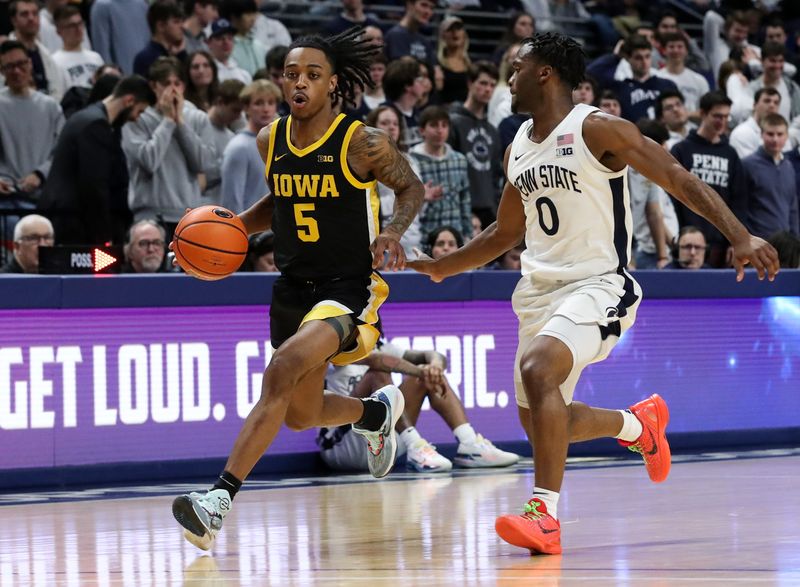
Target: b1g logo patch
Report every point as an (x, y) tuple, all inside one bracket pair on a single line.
[(563, 151), (324, 158), (222, 213)]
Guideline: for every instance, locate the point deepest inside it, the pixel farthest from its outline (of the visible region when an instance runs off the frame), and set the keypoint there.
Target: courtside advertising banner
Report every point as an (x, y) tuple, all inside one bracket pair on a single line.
[(161, 384)]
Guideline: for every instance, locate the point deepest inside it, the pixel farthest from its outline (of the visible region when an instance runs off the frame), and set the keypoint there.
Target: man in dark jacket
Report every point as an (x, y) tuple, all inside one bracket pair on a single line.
[(87, 195), (708, 155), (772, 201), (638, 92), (472, 135)]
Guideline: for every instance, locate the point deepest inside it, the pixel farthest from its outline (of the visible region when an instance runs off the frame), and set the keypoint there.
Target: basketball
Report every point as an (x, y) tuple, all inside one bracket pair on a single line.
[(210, 242)]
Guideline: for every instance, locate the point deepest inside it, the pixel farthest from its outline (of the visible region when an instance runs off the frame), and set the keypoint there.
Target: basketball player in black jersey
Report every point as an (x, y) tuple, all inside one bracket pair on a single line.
[(322, 168)]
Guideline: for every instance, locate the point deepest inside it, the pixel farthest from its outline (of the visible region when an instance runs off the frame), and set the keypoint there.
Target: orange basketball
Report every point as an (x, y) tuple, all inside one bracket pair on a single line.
[(210, 242)]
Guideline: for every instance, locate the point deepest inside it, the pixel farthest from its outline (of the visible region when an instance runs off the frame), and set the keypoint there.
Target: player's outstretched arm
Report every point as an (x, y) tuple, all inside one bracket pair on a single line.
[(616, 142), (372, 152), (500, 236), (258, 217), (390, 364)]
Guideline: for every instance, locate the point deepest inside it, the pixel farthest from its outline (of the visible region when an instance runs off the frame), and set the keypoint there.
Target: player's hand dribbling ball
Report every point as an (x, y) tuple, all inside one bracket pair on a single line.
[(210, 242)]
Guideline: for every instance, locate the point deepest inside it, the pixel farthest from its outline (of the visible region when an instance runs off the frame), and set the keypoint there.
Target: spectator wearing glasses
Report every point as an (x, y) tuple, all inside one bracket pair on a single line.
[(29, 126), (145, 248), (77, 63), (30, 233), (87, 197), (48, 33), (46, 74), (692, 249)]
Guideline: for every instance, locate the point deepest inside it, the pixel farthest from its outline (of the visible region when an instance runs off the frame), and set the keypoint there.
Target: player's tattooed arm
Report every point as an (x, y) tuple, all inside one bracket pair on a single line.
[(258, 217), (616, 143), (373, 152)]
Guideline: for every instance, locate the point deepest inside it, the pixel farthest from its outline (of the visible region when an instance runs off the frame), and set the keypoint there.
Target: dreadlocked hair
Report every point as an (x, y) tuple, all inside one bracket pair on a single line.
[(350, 56), (562, 53)]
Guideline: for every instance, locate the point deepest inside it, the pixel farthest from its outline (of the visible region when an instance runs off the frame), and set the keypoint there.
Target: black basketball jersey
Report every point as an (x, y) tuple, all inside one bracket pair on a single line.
[(325, 217)]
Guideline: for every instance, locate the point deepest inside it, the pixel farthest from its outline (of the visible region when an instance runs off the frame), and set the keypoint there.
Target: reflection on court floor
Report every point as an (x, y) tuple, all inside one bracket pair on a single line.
[(714, 521)]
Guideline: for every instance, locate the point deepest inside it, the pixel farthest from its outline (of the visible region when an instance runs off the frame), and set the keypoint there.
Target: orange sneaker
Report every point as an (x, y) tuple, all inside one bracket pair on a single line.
[(535, 530), (652, 444)]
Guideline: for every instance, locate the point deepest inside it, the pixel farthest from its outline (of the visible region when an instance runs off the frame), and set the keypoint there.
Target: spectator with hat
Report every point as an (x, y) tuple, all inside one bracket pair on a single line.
[(453, 57), (220, 45)]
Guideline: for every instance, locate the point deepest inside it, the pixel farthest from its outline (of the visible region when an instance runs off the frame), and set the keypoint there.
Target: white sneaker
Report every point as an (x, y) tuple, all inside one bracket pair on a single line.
[(382, 444), (482, 453), (202, 515), (423, 458)]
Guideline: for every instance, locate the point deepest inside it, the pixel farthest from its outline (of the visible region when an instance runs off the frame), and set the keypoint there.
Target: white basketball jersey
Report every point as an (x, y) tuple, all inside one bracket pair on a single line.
[(577, 211)]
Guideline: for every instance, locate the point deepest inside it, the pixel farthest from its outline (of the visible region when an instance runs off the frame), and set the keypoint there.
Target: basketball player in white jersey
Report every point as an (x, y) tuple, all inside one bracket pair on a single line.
[(567, 195)]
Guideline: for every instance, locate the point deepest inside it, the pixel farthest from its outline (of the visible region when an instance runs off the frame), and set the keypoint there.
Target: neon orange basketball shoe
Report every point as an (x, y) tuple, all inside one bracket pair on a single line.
[(535, 530), (652, 444)]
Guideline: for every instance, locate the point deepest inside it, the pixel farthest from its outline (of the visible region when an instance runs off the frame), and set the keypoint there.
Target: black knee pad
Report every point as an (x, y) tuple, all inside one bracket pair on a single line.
[(346, 328)]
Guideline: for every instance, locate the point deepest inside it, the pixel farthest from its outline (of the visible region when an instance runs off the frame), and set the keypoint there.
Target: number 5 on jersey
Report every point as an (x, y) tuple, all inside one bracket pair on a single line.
[(307, 227)]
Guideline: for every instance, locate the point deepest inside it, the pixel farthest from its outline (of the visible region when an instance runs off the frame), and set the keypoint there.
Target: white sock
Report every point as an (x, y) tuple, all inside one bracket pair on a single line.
[(409, 436), (631, 427), (465, 434), (549, 498)]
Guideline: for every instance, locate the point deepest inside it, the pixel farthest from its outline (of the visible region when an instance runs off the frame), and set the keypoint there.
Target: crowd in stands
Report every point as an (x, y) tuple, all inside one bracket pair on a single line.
[(110, 131)]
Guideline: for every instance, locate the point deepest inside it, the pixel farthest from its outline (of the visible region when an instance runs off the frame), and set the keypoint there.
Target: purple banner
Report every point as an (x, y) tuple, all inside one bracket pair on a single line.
[(124, 385)]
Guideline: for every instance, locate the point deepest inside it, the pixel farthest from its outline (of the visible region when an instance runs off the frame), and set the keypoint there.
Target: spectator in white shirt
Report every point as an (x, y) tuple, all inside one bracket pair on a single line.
[(48, 35), (735, 29), (270, 32), (220, 45), (774, 76), (691, 84), (746, 137), (78, 64)]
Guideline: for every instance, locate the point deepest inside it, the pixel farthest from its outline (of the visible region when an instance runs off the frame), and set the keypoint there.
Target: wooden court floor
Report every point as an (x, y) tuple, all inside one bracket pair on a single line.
[(714, 522)]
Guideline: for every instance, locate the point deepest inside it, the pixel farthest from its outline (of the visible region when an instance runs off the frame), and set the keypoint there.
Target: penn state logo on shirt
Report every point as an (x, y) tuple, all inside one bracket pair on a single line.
[(565, 145)]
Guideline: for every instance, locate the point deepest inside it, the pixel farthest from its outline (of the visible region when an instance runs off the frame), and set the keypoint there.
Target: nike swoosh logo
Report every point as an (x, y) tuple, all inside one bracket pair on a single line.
[(279, 157), (655, 446), (516, 157), (545, 531)]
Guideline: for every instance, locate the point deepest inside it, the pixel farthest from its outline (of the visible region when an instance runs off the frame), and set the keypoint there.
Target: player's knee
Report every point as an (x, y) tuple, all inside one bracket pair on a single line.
[(299, 422), (281, 377), (539, 378)]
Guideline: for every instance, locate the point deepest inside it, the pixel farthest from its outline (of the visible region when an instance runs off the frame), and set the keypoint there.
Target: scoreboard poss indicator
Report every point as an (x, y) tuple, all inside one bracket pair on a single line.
[(64, 259)]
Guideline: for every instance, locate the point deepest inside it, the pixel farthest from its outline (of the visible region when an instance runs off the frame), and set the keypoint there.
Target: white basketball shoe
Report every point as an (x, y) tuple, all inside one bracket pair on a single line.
[(382, 444), (482, 453), (423, 457), (201, 515)]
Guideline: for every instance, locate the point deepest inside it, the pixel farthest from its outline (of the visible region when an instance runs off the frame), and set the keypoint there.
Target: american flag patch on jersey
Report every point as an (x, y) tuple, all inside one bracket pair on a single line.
[(562, 140)]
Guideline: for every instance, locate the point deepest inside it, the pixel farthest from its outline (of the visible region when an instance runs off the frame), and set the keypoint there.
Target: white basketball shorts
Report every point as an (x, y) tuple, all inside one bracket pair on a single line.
[(588, 316)]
